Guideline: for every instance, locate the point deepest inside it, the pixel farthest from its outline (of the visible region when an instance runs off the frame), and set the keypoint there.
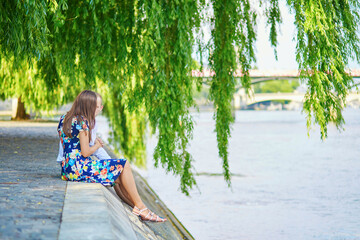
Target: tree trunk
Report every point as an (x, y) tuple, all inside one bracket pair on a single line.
[(20, 111)]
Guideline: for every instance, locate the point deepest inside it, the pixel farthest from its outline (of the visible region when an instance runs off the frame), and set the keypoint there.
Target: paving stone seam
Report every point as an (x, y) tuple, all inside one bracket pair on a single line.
[(62, 211)]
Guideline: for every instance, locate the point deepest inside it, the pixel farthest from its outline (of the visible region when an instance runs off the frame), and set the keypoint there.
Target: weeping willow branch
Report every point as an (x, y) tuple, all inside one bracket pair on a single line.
[(234, 23), (327, 39)]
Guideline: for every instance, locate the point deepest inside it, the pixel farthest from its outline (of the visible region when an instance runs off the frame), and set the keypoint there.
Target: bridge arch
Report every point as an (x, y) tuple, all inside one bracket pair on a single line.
[(258, 76)]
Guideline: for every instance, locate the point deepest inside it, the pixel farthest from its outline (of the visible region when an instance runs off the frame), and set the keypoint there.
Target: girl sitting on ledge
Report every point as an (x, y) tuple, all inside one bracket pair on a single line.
[(75, 131)]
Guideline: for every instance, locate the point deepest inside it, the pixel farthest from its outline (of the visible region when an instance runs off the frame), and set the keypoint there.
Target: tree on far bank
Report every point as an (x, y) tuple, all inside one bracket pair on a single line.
[(276, 86), (137, 54)]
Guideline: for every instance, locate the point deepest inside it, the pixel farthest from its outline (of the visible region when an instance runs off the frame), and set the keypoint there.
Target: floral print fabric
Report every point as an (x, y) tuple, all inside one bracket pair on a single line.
[(76, 167)]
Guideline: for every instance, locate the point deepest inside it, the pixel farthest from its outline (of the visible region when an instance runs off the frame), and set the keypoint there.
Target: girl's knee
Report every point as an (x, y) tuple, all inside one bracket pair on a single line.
[(127, 164)]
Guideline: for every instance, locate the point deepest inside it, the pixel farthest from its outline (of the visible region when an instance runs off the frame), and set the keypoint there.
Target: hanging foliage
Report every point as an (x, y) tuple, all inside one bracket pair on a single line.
[(167, 83), (138, 55), (327, 37), (234, 23)]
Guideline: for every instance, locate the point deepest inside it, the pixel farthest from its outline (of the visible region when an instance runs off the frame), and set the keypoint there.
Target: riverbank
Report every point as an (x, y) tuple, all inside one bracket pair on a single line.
[(34, 200)]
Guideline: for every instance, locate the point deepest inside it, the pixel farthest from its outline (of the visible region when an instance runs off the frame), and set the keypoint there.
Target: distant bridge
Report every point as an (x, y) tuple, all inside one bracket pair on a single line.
[(241, 100), (265, 75), (257, 76)]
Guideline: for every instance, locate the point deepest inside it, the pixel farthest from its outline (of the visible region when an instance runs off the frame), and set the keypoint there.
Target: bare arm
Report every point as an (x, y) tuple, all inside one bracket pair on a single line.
[(86, 150)]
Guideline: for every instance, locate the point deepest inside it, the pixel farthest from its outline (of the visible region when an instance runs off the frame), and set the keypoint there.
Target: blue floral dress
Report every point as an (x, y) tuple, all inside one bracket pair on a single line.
[(76, 167)]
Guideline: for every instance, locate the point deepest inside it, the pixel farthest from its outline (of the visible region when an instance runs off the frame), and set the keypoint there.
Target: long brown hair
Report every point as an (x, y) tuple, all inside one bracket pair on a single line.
[(83, 109)]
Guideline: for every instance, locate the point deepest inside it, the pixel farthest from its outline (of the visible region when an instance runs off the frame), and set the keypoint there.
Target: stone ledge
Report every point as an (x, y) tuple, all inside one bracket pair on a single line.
[(92, 211), (85, 214)]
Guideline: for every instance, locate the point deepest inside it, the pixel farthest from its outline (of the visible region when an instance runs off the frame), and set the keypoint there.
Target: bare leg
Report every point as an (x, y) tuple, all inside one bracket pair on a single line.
[(121, 192), (128, 184), (122, 188), (126, 189)]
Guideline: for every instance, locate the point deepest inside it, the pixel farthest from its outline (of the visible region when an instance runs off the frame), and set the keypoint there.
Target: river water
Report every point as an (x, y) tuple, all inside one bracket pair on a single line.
[(287, 186)]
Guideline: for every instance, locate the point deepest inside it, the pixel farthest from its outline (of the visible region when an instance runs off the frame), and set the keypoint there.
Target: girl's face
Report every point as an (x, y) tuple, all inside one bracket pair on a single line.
[(99, 106)]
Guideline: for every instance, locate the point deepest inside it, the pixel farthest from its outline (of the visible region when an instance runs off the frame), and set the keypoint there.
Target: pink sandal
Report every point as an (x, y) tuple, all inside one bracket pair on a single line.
[(150, 216)]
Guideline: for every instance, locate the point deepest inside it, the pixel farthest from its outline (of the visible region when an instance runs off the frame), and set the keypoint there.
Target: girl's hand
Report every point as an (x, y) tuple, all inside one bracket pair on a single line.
[(99, 142)]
